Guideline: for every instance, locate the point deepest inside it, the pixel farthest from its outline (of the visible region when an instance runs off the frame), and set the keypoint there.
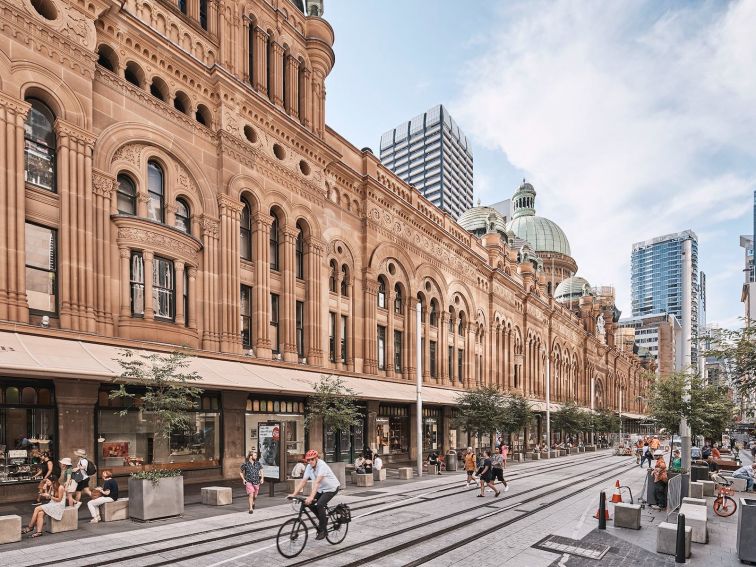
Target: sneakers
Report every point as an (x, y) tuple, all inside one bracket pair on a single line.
[(506, 488), (94, 520), (321, 535), (77, 505), (251, 511)]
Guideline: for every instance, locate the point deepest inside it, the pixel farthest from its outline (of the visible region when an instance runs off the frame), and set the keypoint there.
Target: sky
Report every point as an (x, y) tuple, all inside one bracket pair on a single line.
[(631, 119)]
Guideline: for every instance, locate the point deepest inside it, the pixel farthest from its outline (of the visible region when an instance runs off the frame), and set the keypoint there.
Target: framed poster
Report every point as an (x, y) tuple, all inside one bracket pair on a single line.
[(269, 448)]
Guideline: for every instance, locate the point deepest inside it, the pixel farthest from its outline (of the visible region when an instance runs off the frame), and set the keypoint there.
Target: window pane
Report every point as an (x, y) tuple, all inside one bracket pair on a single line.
[(41, 276), (246, 316), (39, 146), (126, 198), (163, 288), (183, 223), (155, 190)]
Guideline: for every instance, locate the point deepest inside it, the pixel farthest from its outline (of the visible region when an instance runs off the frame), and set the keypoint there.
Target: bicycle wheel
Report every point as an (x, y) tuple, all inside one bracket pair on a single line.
[(725, 506), (291, 538), (337, 530)]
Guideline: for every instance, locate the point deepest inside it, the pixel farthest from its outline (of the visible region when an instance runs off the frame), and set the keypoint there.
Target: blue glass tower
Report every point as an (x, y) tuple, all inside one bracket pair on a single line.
[(665, 280)]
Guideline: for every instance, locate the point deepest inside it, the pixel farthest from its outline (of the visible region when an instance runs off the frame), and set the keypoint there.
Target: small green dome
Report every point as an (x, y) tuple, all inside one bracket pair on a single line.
[(572, 289), (544, 235), (481, 220)]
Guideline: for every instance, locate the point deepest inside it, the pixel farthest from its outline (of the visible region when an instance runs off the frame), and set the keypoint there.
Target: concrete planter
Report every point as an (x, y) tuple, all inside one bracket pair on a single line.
[(149, 501), (746, 529), (590, 448), (339, 469)]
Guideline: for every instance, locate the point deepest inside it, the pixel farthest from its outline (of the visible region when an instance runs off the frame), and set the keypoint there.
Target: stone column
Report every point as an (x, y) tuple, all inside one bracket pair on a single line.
[(261, 308), (230, 214), (410, 326), (314, 317), (103, 186), (260, 72), (443, 340), (469, 338), (193, 295), (125, 256), (211, 333), (426, 345), (389, 347), (371, 296), (292, 98), (318, 105), (277, 74), (149, 309), (76, 402), (289, 298), (179, 269), (306, 98), (234, 420)]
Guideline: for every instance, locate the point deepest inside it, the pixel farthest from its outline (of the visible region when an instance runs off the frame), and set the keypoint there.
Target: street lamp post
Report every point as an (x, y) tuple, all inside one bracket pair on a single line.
[(418, 364), (548, 401)]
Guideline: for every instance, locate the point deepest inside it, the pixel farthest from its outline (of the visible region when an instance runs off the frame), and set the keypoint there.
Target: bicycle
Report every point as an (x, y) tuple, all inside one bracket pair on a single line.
[(724, 504), (292, 535)]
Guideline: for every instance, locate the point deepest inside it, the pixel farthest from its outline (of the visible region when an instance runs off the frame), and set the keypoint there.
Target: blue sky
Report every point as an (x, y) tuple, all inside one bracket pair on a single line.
[(631, 119)]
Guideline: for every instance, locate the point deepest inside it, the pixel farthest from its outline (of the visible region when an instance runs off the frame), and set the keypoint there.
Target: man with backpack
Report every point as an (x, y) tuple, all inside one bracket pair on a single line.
[(81, 473)]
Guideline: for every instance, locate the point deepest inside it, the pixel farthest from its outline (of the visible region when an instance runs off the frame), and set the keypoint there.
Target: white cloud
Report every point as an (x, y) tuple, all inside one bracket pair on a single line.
[(631, 119)]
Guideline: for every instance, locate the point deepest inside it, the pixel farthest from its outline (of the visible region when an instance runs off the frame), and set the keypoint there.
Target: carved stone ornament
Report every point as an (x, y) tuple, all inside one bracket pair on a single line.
[(68, 21), (209, 226), (157, 239), (103, 184), (130, 153)]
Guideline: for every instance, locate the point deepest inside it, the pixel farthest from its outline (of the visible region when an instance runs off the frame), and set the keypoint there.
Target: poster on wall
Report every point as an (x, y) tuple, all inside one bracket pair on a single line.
[(269, 449)]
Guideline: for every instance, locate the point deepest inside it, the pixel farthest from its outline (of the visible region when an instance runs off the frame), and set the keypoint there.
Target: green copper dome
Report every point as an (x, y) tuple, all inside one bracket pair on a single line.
[(481, 220), (572, 289), (544, 235)]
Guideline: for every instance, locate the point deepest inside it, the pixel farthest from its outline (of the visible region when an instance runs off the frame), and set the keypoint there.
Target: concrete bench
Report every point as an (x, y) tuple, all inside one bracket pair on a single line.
[(708, 487), (113, 511), (365, 479), (534, 456), (695, 517), (563, 452), (666, 538), (10, 529), (69, 522), (581, 449), (590, 448), (696, 489), (379, 474), (216, 495), (405, 473), (291, 484), (518, 457), (694, 501), (627, 516), (553, 454), (544, 454), (738, 484)]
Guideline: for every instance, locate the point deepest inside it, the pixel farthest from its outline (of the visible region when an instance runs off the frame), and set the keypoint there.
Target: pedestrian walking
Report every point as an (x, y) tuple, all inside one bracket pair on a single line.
[(470, 465), (504, 454), (497, 461), (81, 473), (253, 477), (486, 475), (647, 454), (660, 480)]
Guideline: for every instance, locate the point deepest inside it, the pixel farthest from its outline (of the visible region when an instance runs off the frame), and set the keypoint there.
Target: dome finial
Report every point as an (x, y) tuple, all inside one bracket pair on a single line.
[(478, 204), (524, 200)]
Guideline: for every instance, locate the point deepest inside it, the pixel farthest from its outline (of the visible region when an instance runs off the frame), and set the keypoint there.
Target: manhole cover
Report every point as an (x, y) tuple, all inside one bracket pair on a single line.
[(369, 493), (560, 544)]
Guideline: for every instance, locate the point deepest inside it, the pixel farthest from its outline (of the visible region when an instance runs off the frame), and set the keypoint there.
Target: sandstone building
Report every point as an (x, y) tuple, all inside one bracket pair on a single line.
[(168, 180)]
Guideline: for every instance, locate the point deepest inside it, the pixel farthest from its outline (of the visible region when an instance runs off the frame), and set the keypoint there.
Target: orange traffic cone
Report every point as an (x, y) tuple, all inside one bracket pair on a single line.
[(606, 514), (617, 496)]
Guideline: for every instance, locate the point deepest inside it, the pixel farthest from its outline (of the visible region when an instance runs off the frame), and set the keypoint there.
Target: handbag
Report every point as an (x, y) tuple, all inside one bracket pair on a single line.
[(77, 476)]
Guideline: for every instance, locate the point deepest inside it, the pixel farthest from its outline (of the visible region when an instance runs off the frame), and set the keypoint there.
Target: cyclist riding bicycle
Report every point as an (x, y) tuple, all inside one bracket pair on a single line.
[(325, 485)]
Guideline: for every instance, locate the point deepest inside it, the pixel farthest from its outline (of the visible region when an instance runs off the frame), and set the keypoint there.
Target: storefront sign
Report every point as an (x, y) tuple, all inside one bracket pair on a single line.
[(269, 448), (17, 454)]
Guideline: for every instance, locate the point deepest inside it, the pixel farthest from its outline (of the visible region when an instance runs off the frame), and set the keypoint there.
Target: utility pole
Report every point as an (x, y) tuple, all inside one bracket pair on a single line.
[(419, 390)]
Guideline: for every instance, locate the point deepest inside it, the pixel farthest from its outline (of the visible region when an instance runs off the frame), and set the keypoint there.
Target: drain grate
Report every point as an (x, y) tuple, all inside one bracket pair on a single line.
[(560, 544), (369, 493)]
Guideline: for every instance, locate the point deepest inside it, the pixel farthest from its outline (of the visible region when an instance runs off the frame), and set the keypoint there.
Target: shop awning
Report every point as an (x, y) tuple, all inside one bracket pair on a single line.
[(49, 357), (633, 415)]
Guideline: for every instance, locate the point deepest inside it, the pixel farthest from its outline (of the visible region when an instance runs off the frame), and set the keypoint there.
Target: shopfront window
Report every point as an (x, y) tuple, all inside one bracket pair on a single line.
[(431, 429), (392, 429), (132, 442), (288, 414), (27, 429)]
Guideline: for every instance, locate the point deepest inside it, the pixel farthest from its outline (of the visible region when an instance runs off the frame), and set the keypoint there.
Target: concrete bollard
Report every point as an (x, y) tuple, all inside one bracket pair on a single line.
[(680, 545)]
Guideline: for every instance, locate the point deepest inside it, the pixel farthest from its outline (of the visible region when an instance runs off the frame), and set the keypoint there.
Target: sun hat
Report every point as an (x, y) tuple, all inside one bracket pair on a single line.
[(66, 461), (80, 452), (658, 453)]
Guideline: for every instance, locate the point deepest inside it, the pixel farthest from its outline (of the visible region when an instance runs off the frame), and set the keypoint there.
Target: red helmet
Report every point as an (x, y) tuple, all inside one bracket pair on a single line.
[(311, 454)]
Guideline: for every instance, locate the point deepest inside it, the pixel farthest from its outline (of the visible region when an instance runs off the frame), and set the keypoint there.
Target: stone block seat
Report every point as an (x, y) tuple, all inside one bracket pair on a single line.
[(69, 521), (405, 473), (627, 516), (379, 474), (363, 479), (291, 484), (708, 487), (216, 495), (113, 511), (696, 489), (10, 529), (666, 538), (695, 518)]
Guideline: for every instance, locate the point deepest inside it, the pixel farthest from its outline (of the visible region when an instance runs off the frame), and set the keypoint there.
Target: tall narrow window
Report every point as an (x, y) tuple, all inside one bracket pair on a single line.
[(451, 364), (163, 289), (301, 90), (300, 328), (186, 297), (274, 242), (382, 292), (451, 320), (460, 367), (39, 146), (432, 363), (433, 315), (245, 304), (251, 51), (398, 299), (203, 14), (299, 252), (275, 335), (344, 281), (155, 192), (344, 339), (183, 218), (269, 65), (332, 276), (332, 337), (136, 277), (381, 347), (461, 325), (398, 351), (41, 269), (285, 78), (245, 231), (126, 195), (182, 6)]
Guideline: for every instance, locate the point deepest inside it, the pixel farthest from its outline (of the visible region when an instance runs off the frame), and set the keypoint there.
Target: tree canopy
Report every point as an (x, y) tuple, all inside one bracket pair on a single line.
[(334, 403), (736, 350), (487, 410), (570, 418)]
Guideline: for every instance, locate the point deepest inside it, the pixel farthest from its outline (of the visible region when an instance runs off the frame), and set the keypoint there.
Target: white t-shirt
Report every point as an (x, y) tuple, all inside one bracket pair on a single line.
[(329, 483), (377, 463), (83, 464)]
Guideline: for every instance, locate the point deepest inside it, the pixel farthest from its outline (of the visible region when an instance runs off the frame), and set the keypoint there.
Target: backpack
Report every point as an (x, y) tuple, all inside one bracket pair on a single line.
[(91, 468)]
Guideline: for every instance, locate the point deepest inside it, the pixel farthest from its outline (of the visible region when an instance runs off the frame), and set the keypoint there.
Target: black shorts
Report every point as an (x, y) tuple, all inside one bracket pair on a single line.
[(82, 485), (498, 474)]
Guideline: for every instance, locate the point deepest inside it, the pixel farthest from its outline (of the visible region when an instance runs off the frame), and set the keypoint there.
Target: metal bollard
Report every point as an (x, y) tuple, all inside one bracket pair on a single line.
[(680, 543), (602, 511)]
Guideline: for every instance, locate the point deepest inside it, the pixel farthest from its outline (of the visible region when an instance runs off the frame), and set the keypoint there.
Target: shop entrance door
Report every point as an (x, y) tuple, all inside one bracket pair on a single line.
[(343, 446)]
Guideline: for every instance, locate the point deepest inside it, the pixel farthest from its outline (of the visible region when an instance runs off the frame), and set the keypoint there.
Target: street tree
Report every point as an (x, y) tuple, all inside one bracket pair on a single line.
[(160, 386), (604, 421), (482, 411), (570, 418), (736, 350), (334, 403), (517, 414)]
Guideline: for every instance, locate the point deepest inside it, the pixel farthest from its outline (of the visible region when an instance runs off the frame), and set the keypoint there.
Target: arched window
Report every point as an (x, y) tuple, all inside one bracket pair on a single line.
[(251, 50), (332, 276), (203, 115), (203, 14), (181, 102), (182, 5), (398, 299), (134, 74), (126, 197), (274, 244), (155, 180), (183, 218), (39, 145), (301, 90), (345, 280), (245, 231), (451, 319), (107, 58), (433, 315), (299, 252), (159, 89), (269, 64), (285, 77), (461, 324), (382, 292)]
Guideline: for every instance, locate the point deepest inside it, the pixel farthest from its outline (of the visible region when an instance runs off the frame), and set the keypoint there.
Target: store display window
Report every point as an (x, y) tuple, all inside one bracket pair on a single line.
[(288, 414), (131, 442), (392, 429), (431, 429), (27, 429)]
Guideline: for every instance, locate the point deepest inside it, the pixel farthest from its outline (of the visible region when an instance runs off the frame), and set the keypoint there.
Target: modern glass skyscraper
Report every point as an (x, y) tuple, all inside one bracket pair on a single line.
[(665, 280), (433, 154)]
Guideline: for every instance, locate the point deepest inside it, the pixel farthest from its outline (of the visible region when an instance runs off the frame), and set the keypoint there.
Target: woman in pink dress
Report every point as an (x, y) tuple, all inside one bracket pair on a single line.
[(504, 453)]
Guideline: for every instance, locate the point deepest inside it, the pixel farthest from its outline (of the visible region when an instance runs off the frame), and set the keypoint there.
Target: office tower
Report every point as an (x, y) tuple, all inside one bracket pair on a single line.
[(660, 335), (433, 154), (665, 280)]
